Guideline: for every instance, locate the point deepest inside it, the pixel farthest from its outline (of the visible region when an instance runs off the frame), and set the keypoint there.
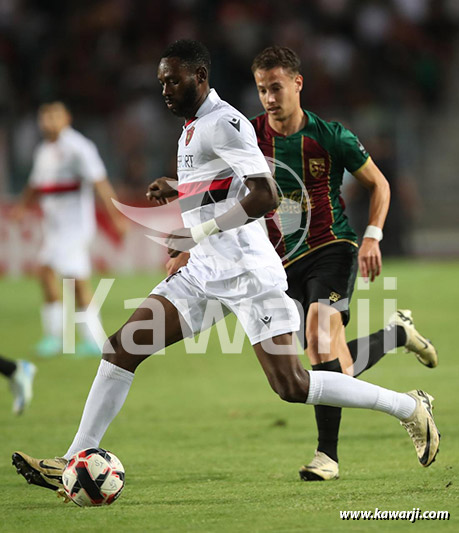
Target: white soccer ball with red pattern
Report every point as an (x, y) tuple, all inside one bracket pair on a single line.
[(93, 477)]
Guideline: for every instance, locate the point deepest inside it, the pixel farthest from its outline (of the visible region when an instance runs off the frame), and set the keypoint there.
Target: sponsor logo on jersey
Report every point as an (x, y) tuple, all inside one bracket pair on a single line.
[(185, 161), (361, 147), (189, 135), (317, 167)]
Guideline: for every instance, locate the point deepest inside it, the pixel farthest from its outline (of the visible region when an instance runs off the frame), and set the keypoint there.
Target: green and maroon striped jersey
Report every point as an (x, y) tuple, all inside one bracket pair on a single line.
[(318, 154)]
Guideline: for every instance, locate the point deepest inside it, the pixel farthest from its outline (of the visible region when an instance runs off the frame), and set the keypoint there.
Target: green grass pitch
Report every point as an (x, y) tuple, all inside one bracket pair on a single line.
[(208, 447)]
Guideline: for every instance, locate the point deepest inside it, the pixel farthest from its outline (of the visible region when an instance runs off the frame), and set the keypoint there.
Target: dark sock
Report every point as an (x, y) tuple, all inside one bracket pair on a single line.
[(367, 351), (7, 367), (328, 418)]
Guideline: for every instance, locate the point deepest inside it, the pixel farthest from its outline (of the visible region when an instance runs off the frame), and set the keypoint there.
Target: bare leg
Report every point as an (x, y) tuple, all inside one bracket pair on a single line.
[(284, 371), (173, 333), (83, 293), (49, 284), (51, 314), (326, 337)]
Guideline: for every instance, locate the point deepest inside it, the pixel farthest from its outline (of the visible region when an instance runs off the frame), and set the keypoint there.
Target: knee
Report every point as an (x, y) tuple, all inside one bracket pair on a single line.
[(292, 389), (319, 339), (113, 351)]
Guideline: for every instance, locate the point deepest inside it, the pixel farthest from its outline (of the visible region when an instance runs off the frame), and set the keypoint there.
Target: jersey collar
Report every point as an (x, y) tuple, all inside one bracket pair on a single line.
[(211, 100), (273, 133)]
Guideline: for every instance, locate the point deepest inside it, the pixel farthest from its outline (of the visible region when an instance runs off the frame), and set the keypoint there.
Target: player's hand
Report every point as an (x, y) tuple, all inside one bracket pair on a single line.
[(180, 240), (177, 262), (370, 261), (160, 190)]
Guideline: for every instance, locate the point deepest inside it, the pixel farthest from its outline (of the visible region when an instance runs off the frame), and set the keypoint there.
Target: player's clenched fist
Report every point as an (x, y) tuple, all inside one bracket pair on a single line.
[(161, 189)]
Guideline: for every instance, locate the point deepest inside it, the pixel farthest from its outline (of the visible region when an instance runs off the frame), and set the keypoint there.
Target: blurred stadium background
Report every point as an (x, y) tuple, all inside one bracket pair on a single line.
[(388, 69)]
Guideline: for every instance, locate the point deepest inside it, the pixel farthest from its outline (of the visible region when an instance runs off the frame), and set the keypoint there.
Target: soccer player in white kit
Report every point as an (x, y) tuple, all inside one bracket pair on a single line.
[(66, 171), (224, 185)]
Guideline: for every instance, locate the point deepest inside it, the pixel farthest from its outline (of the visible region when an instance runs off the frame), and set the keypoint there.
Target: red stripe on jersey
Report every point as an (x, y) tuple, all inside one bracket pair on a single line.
[(57, 188), (199, 187), (317, 182)]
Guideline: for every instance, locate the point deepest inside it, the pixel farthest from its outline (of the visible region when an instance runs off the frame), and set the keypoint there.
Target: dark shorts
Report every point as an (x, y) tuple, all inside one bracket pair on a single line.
[(325, 274)]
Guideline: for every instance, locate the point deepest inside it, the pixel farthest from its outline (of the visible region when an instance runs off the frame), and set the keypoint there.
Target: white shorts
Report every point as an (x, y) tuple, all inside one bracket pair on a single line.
[(68, 257), (256, 297)]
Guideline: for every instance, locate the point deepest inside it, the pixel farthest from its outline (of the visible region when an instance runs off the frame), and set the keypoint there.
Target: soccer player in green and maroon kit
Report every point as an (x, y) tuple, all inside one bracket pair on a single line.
[(321, 263)]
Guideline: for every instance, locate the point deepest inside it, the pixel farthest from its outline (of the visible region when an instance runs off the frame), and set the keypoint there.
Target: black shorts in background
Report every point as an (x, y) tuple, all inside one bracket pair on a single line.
[(326, 274)]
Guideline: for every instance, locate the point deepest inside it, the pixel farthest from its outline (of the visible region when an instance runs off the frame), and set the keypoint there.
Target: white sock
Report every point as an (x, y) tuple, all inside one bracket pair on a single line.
[(106, 397), (340, 390), (51, 319), (85, 331)]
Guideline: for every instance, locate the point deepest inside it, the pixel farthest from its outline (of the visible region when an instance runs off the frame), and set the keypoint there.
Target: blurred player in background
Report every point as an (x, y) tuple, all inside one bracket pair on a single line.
[(20, 374), (232, 262), (67, 169)]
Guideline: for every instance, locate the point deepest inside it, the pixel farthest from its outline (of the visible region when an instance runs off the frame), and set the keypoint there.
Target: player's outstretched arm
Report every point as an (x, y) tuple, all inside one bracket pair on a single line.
[(28, 198), (370, 261), (106, 193)]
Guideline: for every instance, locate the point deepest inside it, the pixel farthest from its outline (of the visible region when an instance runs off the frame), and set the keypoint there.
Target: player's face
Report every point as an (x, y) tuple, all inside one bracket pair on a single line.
[(52, 119), (279, 91), (181, 90)]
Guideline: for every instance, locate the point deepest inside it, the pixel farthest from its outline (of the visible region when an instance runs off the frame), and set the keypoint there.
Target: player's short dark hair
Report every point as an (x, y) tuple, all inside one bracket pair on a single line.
[(191, 53), (277, 56)]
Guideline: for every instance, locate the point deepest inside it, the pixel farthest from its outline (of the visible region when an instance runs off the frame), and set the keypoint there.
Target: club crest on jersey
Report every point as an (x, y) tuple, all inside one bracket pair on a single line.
[(317, 167), (334, 296), (189, 135)]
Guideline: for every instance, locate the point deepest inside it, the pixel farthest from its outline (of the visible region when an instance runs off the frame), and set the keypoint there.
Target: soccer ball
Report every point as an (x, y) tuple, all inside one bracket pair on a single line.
[(93, 477)]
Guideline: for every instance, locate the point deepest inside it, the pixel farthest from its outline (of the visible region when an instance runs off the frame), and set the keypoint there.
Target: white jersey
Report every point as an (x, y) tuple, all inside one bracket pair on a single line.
[(216, 151), (63, 173)]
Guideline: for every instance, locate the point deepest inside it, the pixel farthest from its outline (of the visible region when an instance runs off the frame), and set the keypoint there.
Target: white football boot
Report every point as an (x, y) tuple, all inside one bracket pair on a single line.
[(21, 385), (422, 348), (321, 468), (422, 429)]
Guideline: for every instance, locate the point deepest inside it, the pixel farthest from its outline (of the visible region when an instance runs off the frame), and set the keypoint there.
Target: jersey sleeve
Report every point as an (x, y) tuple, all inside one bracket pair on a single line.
[(90, 165), (234, 141), (352, 151)]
